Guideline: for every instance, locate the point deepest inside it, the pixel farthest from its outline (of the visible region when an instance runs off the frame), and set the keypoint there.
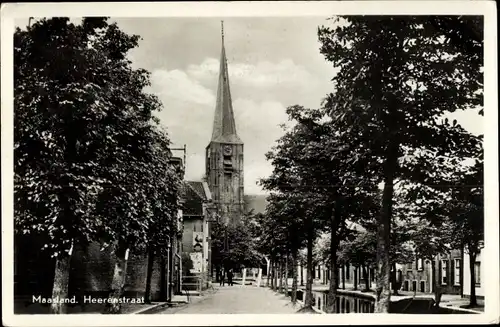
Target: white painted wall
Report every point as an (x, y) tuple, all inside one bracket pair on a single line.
[(480, 287)]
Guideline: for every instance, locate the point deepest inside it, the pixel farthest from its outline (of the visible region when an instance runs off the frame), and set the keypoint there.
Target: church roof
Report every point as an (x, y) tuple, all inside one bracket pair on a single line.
[(194, 194), (224, 129)]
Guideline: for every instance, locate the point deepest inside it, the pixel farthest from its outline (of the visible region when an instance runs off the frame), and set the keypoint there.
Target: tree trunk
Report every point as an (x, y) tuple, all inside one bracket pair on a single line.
[(308, 302), (331, 299), (286, 275), (342, 269), (367, 279), (472, 261), (163, 279), (275, 275), (268, 277), (462, 271), (61, 283), (280, 274), (118, 282), (394, 280), (294, 273), (301, 275), (355, 278), (384, 233), (435, 283), (149, 273)]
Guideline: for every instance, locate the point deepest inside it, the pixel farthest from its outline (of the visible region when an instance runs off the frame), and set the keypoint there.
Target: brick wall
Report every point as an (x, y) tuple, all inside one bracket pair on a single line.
[(448, 278), (91, 271)]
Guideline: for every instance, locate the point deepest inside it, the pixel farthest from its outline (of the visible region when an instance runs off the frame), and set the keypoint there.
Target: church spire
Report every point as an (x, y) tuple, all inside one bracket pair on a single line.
[(224, 129)]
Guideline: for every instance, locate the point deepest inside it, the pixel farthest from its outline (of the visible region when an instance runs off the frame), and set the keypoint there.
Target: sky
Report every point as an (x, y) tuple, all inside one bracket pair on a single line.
[(273, 63)]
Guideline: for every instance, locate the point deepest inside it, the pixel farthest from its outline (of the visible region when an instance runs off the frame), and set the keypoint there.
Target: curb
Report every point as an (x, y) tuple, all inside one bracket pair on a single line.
[(175, 308), (153, 308), (459, 309), (301, 303)]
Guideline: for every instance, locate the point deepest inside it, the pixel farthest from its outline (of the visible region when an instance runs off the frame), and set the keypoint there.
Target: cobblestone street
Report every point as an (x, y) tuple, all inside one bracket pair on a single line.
[(239, 299)]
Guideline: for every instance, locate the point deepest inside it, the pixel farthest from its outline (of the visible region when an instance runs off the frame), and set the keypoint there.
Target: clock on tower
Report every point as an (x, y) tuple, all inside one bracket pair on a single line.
[(228, 150)]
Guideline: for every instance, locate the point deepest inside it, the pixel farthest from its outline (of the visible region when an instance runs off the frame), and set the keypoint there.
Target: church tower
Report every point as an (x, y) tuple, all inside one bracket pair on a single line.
[(224, 153)]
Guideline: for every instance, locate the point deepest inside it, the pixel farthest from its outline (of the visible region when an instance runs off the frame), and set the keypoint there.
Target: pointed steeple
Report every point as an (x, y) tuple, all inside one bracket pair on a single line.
[(224, 129)]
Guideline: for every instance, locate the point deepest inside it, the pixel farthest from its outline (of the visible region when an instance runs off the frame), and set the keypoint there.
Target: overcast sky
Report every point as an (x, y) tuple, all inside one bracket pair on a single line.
[(273, 63)]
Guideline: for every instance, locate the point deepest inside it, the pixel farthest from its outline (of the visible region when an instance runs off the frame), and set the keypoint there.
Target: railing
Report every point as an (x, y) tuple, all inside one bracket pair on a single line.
[(191, 283), (196, 283)]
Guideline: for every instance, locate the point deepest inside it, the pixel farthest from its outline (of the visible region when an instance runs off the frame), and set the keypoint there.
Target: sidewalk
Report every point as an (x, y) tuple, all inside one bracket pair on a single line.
[(178, 303)]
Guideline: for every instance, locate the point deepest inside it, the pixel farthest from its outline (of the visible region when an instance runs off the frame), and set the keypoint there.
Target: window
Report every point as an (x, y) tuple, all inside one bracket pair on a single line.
[(444, 272), (457, 272), (228, 162), (372, 274), (409, 266), (347, 271), (477, 273), (422, 286), (420, 264), (414, 285)]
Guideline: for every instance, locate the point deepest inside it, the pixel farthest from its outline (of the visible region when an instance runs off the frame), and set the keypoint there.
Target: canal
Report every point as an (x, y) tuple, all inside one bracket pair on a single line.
[(356, 302)]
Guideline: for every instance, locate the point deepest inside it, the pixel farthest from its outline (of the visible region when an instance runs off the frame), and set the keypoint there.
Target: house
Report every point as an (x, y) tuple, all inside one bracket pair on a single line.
[(195, 247), (478, 274), (419, 275)]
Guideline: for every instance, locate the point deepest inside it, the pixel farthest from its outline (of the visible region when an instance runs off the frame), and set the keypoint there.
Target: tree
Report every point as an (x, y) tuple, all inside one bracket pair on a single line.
[(233, 246), (467, 218), (393, 73), (290, 179), (312, 163), (286, 237), (54, 108), (164, 195), (83, 139)]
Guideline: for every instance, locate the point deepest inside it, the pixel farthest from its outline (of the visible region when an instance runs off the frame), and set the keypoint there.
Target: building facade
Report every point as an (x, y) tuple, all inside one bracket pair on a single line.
[(224, 153), (478, 274), (350, 277), (419, 275), (195, 246)]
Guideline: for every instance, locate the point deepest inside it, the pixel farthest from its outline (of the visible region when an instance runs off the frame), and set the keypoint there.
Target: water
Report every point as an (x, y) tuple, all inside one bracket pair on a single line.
[(349, 302), (346, 302)]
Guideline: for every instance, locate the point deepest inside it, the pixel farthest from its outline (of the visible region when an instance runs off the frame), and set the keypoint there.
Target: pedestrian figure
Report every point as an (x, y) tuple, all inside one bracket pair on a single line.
[(221, 281), (230, 277)]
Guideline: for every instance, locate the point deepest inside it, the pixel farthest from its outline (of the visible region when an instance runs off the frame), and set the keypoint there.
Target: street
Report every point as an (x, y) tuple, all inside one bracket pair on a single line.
[(239, 299)]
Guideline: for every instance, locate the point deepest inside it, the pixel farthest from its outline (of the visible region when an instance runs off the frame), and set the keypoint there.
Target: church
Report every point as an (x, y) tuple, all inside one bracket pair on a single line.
[(220, 196), (224, 153)]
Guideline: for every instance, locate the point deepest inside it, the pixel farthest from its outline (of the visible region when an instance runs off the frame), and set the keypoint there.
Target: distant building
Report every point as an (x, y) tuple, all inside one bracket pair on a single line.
[(419, 275), (224, 153)]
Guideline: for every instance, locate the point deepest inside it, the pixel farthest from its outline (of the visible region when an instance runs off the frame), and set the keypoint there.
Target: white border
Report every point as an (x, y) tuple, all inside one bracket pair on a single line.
[(250, 9)]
